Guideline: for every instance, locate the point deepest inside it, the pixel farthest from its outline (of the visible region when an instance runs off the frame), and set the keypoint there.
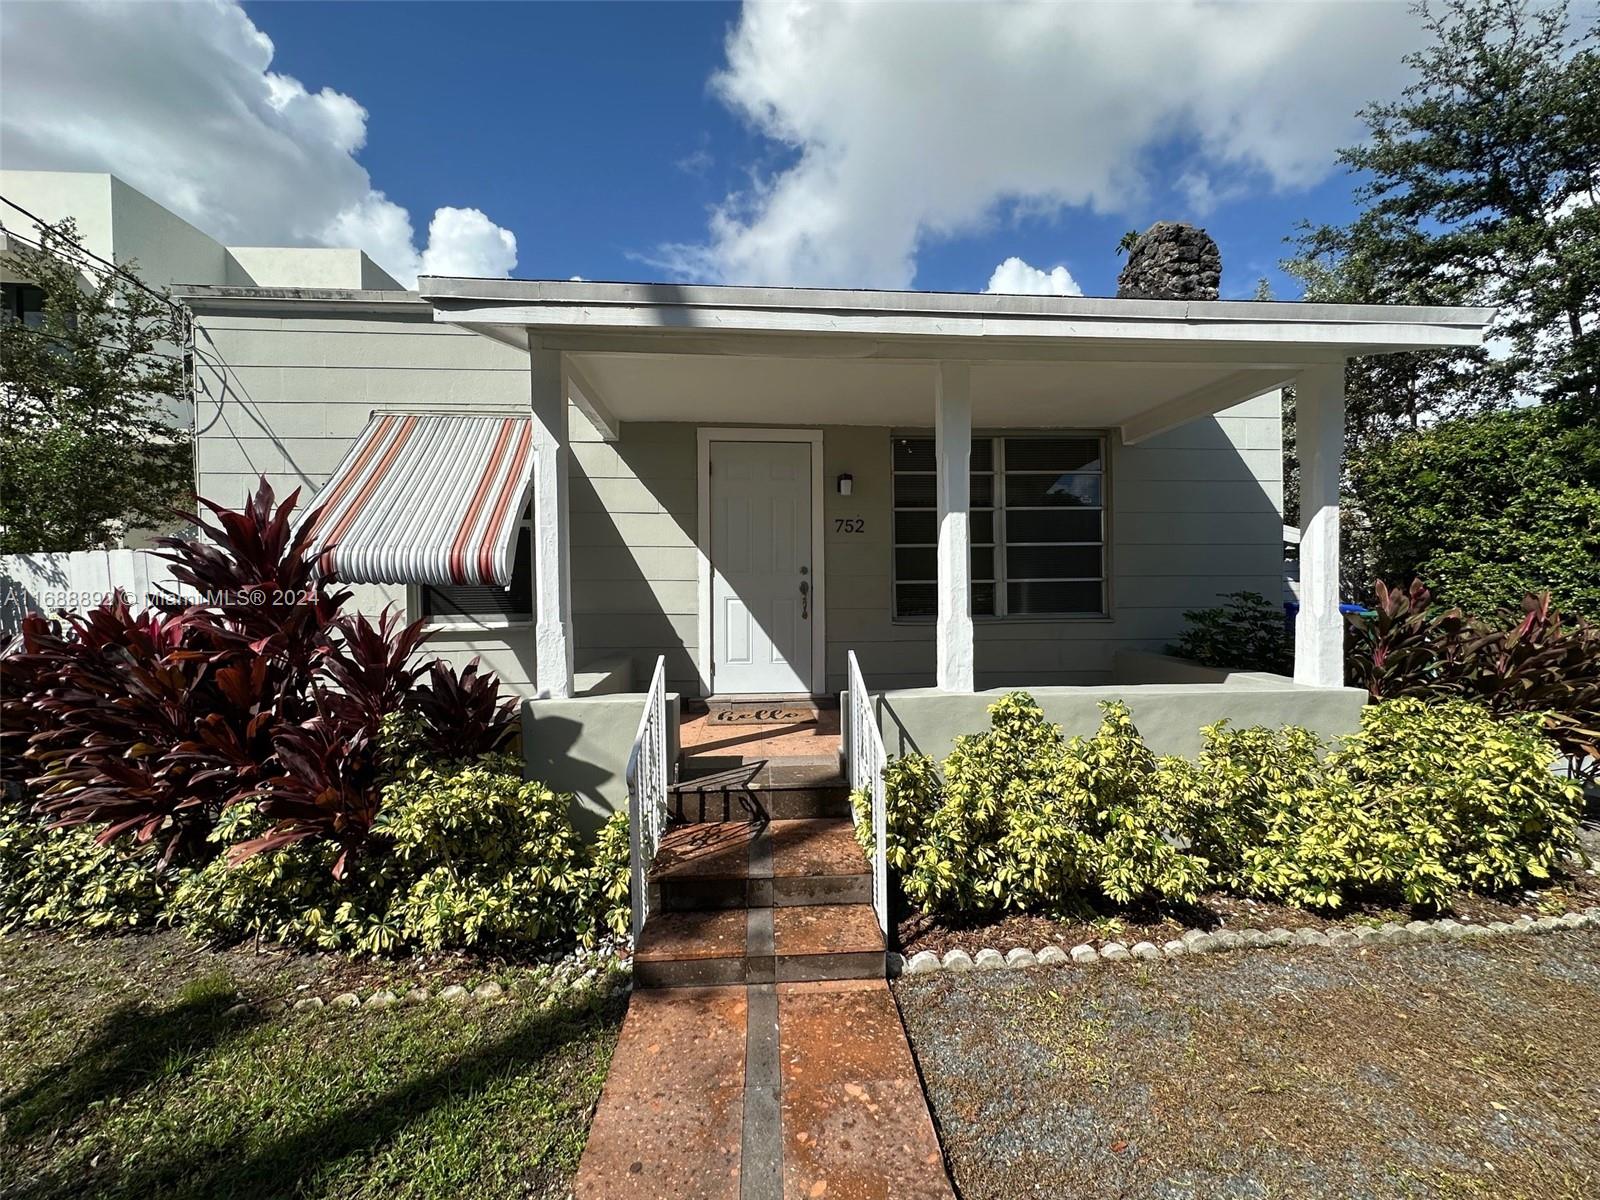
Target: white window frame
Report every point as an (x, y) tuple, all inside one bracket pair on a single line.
[(999, 507), (460, 625)]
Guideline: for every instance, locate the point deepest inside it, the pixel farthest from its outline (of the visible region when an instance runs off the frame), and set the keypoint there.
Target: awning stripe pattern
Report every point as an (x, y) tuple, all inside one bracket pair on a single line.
[(428, 499)]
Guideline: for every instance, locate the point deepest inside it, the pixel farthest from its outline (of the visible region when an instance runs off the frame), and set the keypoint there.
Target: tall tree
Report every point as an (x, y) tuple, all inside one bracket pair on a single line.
[(89, 436), (1479, 185)]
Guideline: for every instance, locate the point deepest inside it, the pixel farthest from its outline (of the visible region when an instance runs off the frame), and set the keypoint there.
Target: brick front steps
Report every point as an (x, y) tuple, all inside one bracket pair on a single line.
[(709, 865), (749, 902), (762, 1055)]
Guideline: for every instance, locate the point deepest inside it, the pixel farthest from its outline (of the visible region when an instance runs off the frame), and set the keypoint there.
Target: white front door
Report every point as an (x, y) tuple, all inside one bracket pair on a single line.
[(762, 576)]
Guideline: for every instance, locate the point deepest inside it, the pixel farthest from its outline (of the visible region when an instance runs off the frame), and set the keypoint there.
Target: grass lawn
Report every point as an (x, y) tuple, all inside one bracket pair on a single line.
[(1448, 1070), (123, 1073)]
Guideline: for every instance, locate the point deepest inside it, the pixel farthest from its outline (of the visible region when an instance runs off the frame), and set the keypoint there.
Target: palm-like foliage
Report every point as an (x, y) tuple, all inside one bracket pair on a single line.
[(330, 788), (1532, 661), (147, 725), (462, 713)]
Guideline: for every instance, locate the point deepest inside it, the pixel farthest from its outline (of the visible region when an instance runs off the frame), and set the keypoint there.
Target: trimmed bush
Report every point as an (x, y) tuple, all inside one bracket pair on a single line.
[(1025, 820), (471, 856), (1425, 800), (65, 879), (1460, 799)]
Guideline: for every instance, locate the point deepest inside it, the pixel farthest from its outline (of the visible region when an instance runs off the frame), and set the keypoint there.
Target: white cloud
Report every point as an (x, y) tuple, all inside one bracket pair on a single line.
[(179, 99), (462, 241), (1017, 278), (906, 122)]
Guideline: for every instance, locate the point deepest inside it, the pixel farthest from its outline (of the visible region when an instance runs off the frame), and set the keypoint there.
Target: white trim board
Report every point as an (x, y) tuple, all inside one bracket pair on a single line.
[(705, 650)]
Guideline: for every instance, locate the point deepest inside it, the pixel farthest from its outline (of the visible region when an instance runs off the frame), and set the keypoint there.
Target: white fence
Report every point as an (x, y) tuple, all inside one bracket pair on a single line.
[(50, 583), (648, 798), (867, 758)]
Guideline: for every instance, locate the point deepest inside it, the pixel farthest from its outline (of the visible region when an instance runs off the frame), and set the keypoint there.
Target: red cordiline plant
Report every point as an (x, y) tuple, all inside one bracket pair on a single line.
[(1535, 660), (113, 707), (331, 788), (259, 593), (149, 725), (462, 714), (372, 667), (335, 766)]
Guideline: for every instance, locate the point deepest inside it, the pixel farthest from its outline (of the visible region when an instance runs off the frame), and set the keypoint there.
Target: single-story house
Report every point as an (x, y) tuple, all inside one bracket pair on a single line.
[(970, 492)]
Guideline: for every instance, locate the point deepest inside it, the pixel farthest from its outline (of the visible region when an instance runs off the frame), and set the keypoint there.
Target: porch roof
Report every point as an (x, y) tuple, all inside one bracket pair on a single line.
[(678, 352), (692, 310)]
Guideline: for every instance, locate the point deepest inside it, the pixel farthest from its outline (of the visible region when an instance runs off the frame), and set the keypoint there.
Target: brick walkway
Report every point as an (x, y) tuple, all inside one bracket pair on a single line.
[(762, 1055)]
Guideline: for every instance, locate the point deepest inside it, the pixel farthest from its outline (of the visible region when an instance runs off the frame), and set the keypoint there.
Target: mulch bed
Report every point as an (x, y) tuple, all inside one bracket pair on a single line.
[(1445, 1070), (1098, 924)]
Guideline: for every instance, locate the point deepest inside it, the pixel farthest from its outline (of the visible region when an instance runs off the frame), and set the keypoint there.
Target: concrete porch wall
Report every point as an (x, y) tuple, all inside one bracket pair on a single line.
[(1169, 716), (581, 746)]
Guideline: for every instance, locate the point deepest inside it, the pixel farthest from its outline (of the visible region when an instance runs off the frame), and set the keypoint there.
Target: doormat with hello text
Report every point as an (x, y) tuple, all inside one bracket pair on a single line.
[(785, 711)]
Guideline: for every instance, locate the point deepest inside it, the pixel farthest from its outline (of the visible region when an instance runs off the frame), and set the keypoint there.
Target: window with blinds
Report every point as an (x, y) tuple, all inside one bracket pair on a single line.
[(484, 604), (1037, 527)]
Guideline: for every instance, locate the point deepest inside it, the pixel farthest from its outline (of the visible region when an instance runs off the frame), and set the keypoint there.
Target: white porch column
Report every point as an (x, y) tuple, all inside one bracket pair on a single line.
[(552, 580), (952, 440), (1319, 441)]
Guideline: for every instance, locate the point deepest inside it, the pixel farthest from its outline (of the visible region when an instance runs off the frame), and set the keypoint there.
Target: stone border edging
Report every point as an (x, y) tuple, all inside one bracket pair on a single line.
[(453, 994), (1198, 941)]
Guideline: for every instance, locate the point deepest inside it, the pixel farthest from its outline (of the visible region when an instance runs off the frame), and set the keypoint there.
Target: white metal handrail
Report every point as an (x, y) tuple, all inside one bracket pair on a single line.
[(647, 794), (867, 758)]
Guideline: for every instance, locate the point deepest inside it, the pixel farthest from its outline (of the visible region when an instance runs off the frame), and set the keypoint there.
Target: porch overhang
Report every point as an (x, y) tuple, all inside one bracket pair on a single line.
[(953, 362), (668, 352)]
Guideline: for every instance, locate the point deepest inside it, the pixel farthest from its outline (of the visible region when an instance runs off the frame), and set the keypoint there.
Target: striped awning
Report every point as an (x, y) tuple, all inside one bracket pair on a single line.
[(426, 498)]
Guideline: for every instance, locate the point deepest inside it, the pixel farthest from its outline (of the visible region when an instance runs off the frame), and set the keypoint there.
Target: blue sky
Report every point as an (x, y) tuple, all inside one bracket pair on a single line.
[(565, 122), (929, 145), (590, 131)]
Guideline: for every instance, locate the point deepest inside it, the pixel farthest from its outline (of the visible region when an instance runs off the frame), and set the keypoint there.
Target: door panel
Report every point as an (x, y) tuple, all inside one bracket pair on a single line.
[(760, 559)]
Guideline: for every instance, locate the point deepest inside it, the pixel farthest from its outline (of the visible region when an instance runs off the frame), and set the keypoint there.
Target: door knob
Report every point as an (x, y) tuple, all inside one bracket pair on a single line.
[(805, 600)]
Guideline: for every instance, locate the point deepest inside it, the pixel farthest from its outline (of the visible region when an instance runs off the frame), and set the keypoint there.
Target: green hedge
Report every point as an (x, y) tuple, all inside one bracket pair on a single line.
[(63, 878), (466, 854), (1423, 801)]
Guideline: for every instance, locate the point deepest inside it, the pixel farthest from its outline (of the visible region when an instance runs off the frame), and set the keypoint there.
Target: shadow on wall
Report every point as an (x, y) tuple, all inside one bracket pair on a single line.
[(581, 746), (21, 590), (633, 551)]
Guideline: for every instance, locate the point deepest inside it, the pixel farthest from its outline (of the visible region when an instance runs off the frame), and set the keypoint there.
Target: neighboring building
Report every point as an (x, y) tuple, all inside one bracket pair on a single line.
[(122, 225)]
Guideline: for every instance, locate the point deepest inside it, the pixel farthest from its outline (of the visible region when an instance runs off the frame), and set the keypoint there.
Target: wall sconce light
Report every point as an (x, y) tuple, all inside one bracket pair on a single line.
[(846, 483)]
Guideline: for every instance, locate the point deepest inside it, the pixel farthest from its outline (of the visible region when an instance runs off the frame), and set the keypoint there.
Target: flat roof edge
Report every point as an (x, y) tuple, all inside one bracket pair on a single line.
[(208, 295), (534, 291)]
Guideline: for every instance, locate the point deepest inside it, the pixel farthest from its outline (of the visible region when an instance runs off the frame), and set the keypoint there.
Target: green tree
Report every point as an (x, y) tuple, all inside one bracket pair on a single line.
[(88, 439), (1479, 185), (1488, 508)]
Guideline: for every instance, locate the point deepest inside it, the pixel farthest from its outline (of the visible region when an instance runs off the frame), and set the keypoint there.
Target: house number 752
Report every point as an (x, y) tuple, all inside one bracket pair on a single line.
[(849, 524)]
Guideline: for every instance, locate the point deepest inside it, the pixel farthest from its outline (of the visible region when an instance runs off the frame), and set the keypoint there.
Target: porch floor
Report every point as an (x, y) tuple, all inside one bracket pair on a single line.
[(701, 737)]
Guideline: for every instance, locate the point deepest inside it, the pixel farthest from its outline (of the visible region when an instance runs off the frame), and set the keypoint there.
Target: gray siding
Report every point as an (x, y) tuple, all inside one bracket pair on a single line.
[(1193, 513), (634, 564), (285, 397)]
